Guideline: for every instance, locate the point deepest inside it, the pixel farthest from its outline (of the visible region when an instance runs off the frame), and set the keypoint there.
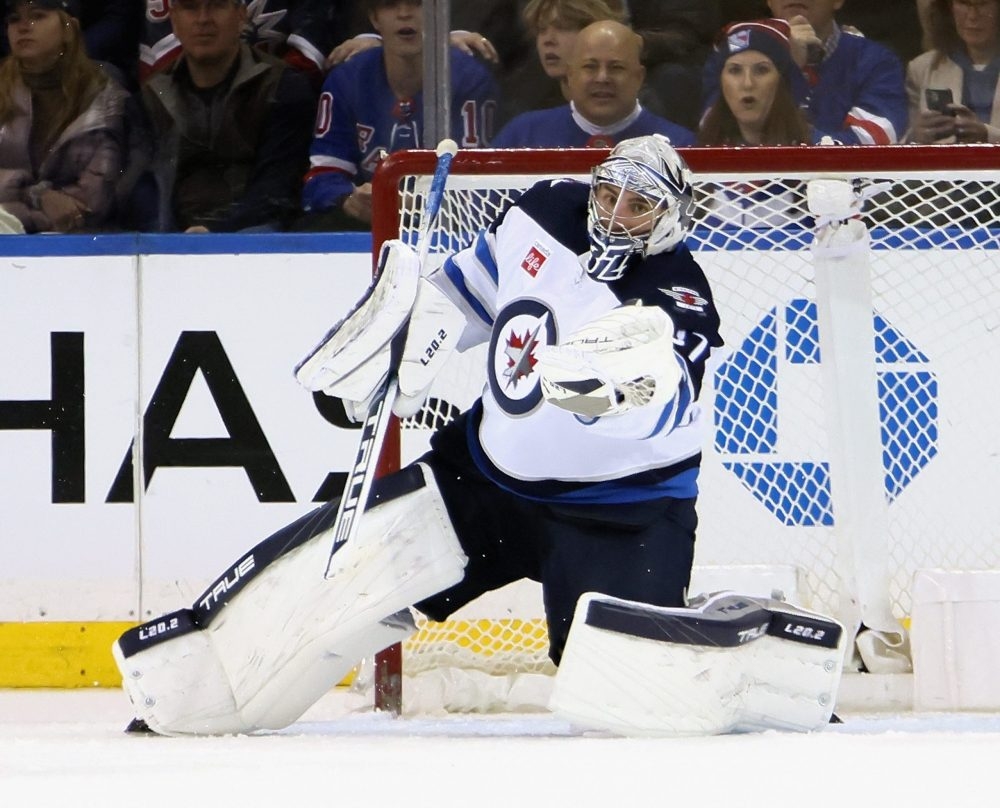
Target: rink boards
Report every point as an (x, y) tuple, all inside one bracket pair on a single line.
[(151, 429)]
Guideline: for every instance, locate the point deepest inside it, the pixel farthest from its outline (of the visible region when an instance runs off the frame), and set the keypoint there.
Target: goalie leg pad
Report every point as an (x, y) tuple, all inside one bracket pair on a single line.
[(730, 664), (354, 357), (289, 635), (182, 687)]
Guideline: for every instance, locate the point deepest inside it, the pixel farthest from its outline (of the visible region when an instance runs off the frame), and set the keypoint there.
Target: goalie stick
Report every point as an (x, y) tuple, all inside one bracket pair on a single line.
[(376, 423)]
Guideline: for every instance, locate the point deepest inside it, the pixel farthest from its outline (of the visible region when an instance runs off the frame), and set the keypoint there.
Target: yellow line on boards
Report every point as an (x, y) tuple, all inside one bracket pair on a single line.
[(59, 654)]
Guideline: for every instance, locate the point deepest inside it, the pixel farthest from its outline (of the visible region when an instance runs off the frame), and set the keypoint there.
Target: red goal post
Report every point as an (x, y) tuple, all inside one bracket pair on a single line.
[(781, 482)]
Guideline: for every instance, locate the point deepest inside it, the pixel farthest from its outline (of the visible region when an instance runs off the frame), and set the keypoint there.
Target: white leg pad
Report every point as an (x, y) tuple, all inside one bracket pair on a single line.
[(731, 664), (291, 634), (182, 687)]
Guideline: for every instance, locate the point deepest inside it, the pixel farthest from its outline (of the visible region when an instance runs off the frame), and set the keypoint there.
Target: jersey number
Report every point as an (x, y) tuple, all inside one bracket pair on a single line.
[(476, 132), (157, 10)]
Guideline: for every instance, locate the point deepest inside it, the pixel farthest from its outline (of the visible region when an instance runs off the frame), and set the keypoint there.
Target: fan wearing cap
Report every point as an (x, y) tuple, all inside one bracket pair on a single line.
[(758, 87), (62, 118), (855, 90)]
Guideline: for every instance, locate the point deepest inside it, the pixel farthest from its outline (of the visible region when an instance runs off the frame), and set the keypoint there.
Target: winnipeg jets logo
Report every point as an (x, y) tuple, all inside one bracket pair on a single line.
[(520, 329), (521, 354), (686, 298)]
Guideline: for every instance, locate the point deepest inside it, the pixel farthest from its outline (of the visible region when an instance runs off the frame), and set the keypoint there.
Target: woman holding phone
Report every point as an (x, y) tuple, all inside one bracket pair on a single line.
[(953, 90)]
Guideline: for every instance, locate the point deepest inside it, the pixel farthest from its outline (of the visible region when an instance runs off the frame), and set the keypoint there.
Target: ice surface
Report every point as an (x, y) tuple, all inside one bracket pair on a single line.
[(67, 748)]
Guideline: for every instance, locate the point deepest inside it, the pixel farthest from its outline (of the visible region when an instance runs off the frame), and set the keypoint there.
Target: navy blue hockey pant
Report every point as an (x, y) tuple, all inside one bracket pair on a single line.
[(639, 551)]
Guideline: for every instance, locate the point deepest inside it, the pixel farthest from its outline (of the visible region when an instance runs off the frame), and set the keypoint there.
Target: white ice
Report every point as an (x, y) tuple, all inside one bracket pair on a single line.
[(67, 748)]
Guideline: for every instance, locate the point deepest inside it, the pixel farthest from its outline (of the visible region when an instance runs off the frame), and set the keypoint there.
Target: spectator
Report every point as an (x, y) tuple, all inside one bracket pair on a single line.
[(894, 23), (759, 83), (61, 117), (540, 83), (110, 33), (603, 80), (676, 36), (856, 93), (365, 38), (230, 125), (953, 90), (301, 32), (372, 104)]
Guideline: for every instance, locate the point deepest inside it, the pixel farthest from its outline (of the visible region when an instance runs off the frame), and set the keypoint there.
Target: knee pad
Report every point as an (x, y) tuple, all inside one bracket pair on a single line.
[(267, 640)]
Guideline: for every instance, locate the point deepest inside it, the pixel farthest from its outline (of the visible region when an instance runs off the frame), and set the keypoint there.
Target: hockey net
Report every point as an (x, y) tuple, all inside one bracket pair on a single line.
[(767, 503)]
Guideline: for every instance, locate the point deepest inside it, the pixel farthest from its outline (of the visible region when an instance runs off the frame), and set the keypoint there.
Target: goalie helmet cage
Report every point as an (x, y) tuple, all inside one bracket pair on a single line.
[(782, 505)]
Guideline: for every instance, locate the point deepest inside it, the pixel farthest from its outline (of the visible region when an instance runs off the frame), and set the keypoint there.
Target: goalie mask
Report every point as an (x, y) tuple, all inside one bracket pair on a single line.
[(640, 204)]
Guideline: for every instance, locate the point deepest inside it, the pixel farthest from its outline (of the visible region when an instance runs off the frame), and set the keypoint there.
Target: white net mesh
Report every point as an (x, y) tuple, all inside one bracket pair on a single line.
[(765, 488)]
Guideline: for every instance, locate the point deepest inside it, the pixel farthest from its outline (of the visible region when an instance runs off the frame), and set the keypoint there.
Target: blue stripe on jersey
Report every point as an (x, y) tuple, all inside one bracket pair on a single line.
[(454, 275), (675, 409), (485, 257), (681, 486)]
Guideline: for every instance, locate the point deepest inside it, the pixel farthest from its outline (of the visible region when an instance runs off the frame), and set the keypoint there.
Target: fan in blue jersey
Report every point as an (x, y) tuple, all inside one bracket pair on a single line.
[(603, 78), (372, 104)]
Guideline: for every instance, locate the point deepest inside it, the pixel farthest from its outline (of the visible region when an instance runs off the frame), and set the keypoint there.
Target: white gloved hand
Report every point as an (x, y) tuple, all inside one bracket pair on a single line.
[(622, 360)]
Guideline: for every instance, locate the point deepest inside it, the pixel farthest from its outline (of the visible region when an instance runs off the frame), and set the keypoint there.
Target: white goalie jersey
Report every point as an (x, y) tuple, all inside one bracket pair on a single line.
[(523, 285)]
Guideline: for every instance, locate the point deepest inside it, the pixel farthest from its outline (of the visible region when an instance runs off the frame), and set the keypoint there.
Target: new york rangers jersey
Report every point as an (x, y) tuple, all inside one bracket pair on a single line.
[(360, 120), (523, 283), (858, 94), (564, 127)]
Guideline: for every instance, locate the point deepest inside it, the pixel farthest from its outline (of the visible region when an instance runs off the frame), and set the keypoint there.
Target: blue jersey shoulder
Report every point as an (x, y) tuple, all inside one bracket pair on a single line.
[(349, 74), (560, 208), (675, 282)]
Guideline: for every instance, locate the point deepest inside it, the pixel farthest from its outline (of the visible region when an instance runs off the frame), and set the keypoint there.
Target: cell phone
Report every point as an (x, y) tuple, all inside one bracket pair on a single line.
[(938, 100)]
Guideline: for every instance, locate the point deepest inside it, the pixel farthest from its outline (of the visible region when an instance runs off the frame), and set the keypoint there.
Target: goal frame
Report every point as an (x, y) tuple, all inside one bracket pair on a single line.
[(790, 161)]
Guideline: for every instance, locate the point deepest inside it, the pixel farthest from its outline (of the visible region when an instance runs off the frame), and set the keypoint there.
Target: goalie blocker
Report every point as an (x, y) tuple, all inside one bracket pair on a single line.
[(403, 324), (727, 664)]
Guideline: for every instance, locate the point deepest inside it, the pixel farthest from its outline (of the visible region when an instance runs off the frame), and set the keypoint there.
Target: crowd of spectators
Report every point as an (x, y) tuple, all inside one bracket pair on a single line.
[(237, 115)]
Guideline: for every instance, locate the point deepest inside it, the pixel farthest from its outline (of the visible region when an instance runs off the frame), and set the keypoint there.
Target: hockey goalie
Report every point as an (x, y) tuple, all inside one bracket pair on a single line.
[(577, 468)]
